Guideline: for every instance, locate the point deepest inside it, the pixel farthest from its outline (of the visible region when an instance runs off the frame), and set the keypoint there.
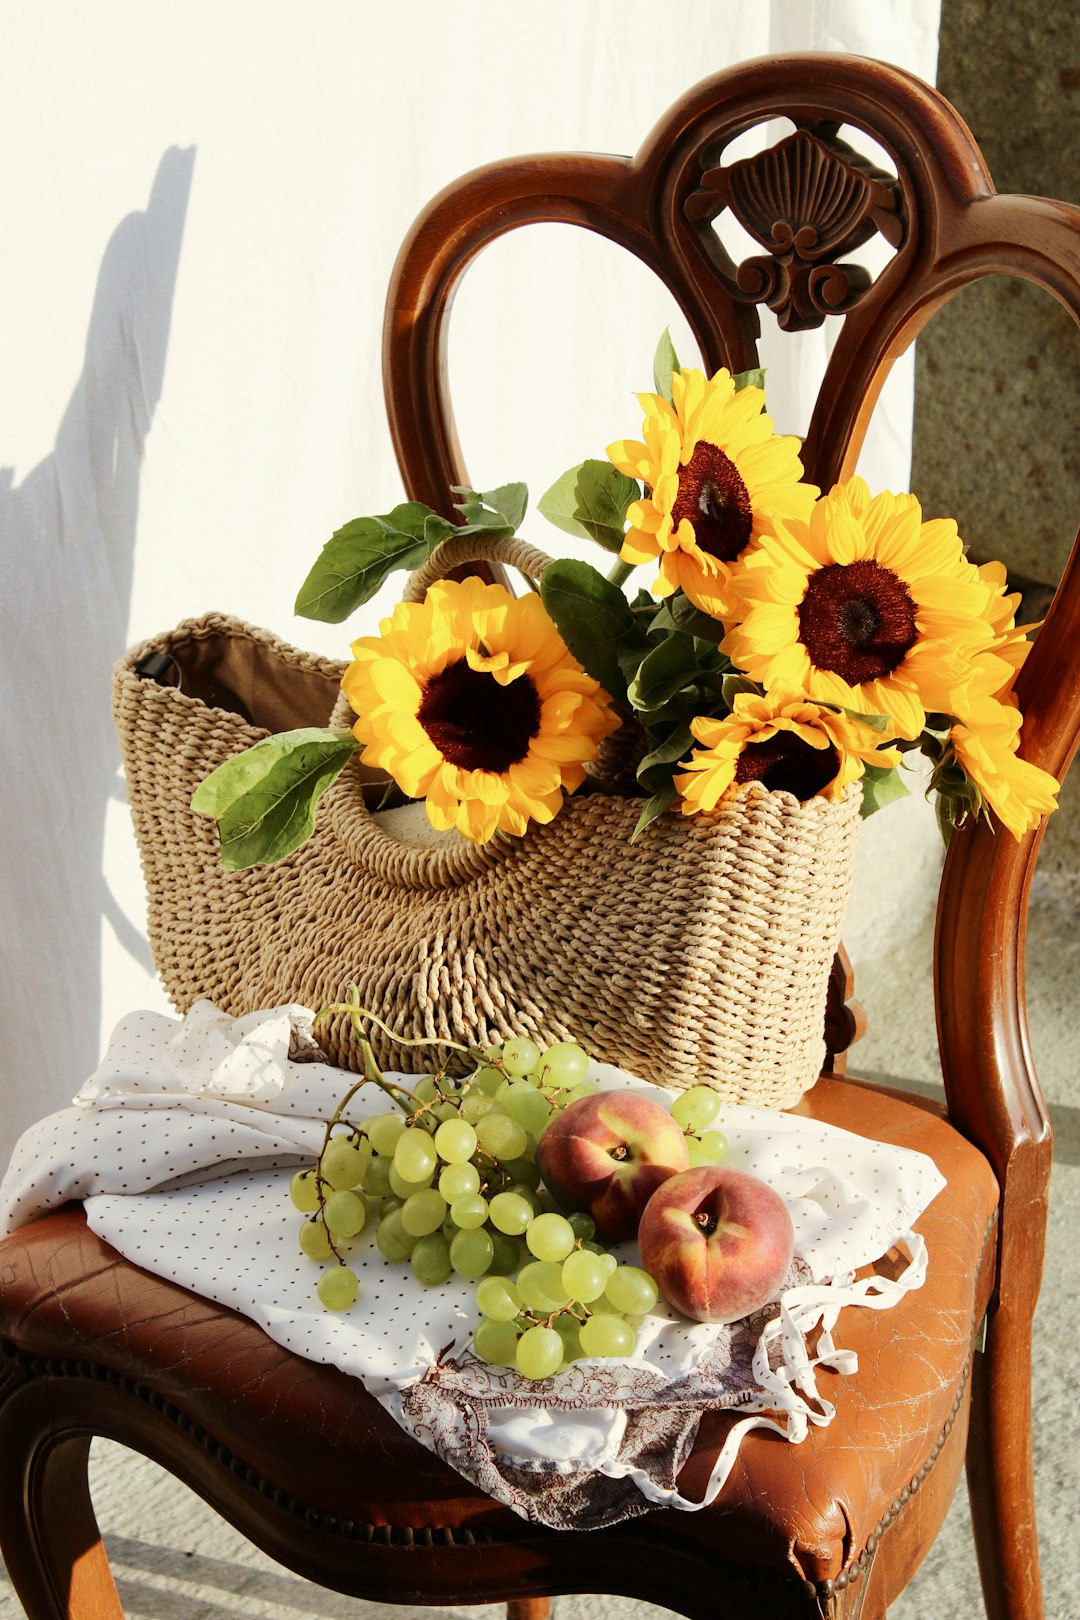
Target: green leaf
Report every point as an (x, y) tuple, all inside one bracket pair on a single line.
[(750, 379), (590, 502), (603, 495), (656, 768), (732, 685), (665, 365), (501, 508), (353, 564), (670, 666), (412, 517), (264, 799), (661, 801), (436, 528), (679, 613), (876, 722), (594, 619), (882, 785), (559, 503)]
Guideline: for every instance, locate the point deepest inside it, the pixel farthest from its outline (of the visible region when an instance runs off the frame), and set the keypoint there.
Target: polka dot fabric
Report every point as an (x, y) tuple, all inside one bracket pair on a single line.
[(182, 1145)]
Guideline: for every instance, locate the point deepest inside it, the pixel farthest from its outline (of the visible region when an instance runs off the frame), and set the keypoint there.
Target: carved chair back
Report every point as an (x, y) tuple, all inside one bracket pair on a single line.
[(808, 201)]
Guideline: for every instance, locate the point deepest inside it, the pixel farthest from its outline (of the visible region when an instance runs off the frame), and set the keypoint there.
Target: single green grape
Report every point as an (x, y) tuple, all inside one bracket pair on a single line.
[(403, 1187), (458, 1181), (524, 1103), (568, 1328), (496, 1342), (392, 1239), (430, 1263), (423, 1212), (583, 1277), (525, 1172), (498, 1298), (509, 1254), (713, 1143), (696, 1108), (304, 1192), (342, 1165), (315, 1240), (502, 1136), (455, 1141), (469, 1213), (586, 1088), (521, 1189), (377, 1176), (489, 1080), (471, 1253), (607, 1336), (539, 1352), (583, 1224), (344, 1213), (338, 1288), (383, 1131), (549, 1237), (563, 1065), (511, 1213), (631, 1290), (540, 1285), (425, 1089), (476, 1105), (520, 1056), (415, 1157)]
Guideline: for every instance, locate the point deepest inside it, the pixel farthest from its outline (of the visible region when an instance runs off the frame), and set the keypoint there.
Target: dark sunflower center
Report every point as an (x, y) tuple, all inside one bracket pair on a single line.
[(785, 762), (716, 501), (476, 723), (857, 620)]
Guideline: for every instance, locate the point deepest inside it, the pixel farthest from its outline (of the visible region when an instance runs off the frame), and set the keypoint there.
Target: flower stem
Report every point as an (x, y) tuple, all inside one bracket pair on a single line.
[(620, 571)]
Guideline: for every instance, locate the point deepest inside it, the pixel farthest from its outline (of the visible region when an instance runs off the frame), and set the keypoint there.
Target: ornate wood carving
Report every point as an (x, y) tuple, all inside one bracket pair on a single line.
[(808, 200)]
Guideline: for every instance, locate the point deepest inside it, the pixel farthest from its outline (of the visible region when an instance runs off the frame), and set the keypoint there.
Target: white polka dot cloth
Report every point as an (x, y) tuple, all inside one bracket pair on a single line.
[(182, 1145)]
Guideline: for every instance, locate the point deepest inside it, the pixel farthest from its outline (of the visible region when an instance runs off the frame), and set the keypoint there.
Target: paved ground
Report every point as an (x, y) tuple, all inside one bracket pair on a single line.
[(174, 1560)]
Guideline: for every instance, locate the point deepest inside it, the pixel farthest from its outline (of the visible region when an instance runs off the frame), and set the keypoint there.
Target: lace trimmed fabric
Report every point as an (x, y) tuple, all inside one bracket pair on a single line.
[(182, 1144)]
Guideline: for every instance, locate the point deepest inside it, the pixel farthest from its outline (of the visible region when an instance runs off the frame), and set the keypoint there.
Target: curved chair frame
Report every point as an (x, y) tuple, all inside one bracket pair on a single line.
[(948, 228)]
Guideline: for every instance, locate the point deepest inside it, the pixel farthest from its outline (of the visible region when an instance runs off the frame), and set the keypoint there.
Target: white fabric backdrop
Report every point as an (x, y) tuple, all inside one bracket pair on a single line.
[(202, 205)]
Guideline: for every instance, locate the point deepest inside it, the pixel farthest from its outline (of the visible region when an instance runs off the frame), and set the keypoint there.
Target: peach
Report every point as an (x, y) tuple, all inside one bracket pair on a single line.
[(717, 1242), (607, 1154)]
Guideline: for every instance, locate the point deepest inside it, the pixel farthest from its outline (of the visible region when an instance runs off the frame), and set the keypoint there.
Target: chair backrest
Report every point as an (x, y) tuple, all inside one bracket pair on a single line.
[(808, 201)]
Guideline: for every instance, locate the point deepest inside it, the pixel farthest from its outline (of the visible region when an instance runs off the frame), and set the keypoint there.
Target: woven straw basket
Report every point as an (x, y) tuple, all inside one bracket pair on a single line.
[(700, 953)]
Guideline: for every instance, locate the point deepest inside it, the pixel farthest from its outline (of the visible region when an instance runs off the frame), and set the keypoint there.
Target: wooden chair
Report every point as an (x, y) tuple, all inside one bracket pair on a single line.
[(295, 1454)]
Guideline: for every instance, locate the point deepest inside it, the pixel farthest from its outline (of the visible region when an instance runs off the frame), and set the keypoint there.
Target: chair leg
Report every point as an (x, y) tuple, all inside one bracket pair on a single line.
[(534, 1608), (48, 1531), (1001, 1479)]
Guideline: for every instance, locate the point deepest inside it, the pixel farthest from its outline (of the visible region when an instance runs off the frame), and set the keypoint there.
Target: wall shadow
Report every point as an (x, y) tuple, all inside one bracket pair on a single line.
[(67, 539)]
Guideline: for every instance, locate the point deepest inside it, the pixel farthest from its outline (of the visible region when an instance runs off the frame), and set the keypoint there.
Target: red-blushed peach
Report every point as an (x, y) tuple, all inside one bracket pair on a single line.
[(608, 1154), (717, 1242)]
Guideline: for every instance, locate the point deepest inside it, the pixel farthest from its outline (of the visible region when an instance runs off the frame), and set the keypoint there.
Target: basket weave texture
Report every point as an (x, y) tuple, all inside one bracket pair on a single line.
[(700, 953)]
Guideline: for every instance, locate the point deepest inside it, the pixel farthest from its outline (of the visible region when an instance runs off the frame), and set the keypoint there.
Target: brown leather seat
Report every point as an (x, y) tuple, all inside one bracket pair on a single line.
[(296, 1453)]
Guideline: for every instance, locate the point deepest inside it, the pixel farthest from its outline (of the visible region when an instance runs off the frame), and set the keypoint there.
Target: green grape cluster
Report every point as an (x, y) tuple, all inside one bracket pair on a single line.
[(448, 1176), (695, 1111), (571, 1300)]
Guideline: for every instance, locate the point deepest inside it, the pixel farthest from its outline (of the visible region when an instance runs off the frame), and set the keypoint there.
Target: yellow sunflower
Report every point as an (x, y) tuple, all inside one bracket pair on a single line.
[(471, 701), (998, 667), (715, 476), (865, 606), (985, 745), (783, 741)]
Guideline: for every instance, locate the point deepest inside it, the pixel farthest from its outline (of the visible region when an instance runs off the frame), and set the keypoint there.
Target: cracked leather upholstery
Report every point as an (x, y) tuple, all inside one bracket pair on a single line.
[(311, 1429)]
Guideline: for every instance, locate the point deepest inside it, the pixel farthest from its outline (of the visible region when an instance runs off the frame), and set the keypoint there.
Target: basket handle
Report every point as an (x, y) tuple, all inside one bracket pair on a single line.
[(458, 550)]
